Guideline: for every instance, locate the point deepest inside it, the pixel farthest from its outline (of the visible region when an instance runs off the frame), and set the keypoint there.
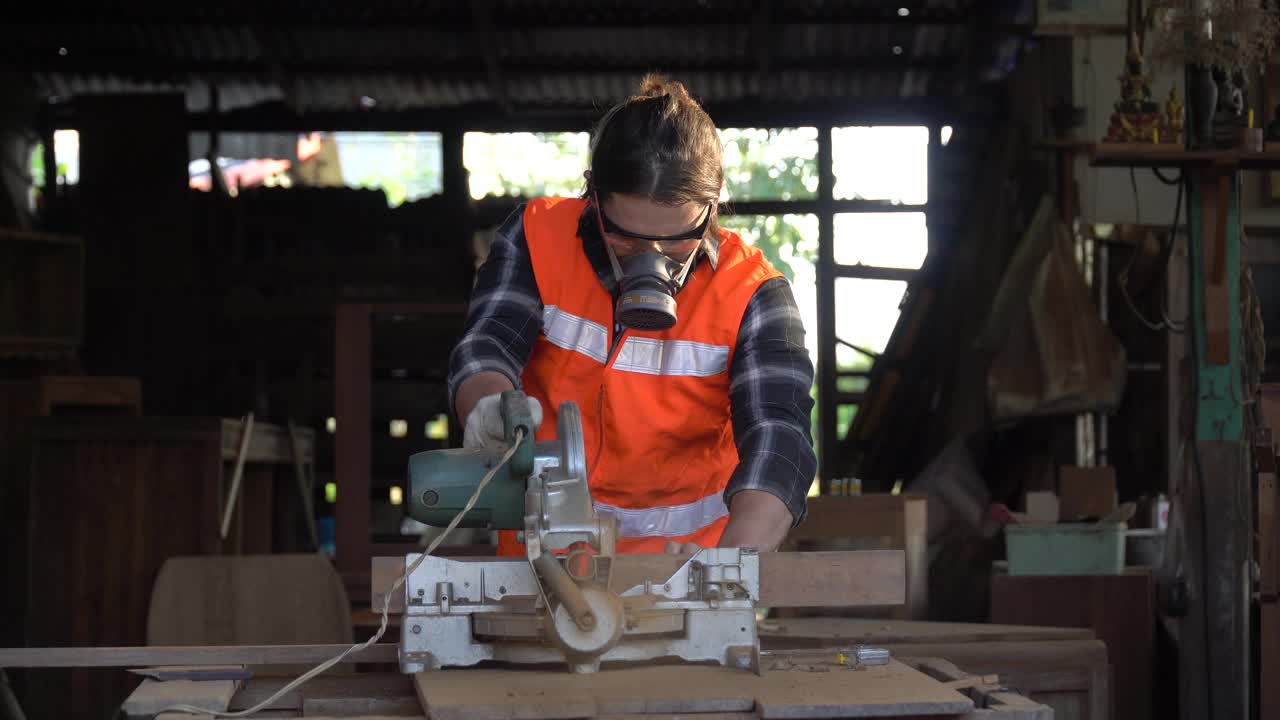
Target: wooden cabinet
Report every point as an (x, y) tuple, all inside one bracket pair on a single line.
[(110, 500), (1120, 609)]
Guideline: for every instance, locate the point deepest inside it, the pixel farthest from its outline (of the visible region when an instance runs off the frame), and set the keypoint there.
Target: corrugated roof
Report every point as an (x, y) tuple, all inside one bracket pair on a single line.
[(407, 54)]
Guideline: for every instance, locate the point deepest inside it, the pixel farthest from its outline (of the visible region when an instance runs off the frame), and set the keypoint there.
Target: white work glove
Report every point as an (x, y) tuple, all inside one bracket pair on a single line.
[(484, 424)]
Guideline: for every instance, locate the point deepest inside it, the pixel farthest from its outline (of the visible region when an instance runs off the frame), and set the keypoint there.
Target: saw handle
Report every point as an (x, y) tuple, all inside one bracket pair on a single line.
[(516, 416), (565, 589)]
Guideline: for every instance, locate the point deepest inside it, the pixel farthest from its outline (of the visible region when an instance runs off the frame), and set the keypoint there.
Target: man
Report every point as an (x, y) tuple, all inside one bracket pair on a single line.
[(681, 345)]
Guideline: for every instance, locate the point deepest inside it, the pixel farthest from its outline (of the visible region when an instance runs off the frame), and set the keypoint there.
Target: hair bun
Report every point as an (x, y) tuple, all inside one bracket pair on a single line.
[(656, 85)]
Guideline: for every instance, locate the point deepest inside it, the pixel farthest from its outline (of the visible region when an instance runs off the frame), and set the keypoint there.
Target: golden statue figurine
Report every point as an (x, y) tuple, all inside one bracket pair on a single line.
[(1136, 118)]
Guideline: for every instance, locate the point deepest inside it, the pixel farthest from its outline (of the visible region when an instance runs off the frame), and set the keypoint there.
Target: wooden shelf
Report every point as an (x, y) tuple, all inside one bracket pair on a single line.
[(1150, 155), (1063, 145)]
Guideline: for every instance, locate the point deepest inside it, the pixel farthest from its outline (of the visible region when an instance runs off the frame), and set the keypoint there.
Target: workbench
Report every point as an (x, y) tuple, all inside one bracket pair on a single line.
[(1066, 668), (807, 684)]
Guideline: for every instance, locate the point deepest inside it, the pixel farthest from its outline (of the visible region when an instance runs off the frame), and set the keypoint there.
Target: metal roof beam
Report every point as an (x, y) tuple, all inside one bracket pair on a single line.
[(142, 66), (457, 16), (486, 117), (482, 26)]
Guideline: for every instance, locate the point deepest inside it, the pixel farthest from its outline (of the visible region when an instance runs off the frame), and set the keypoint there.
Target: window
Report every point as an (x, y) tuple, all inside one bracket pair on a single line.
[(770, 163), (525, 164), (66, 155), (405, 166), (889, 165), (866, 314), (881, 163), (889, 240)]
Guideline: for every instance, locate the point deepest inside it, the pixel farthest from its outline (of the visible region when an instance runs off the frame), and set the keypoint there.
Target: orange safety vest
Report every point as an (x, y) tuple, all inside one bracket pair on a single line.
[(655, 405)]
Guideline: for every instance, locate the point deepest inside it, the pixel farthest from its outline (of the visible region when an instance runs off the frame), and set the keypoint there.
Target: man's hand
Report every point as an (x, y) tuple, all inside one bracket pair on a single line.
[(484, 425), (482, 384), (756, 519)]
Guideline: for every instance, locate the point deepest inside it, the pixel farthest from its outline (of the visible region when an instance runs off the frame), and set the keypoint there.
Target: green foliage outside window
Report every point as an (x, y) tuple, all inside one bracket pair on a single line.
[(770, 164)]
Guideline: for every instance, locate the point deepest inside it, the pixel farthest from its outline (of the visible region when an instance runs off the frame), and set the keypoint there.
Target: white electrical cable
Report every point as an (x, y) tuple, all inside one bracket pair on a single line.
[(386, 604)]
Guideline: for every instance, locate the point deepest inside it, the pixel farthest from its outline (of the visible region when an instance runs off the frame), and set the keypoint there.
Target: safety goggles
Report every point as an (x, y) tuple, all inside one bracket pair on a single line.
[(678, 246)]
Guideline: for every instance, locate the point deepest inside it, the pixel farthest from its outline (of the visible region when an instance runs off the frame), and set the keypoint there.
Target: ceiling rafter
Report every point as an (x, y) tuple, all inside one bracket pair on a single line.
[(482, 20)]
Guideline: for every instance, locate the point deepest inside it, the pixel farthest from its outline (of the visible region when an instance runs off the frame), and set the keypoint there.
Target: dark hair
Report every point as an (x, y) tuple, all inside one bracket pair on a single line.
[(659, 143)]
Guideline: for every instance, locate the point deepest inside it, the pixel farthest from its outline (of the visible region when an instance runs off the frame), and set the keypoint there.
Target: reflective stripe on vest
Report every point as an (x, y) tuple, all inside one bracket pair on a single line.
[(672, 357), (640, 355), (574, 333), (669, 520)]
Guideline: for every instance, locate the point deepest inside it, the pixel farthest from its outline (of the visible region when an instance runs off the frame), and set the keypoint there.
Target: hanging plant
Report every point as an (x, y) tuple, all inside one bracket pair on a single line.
[(1231, 35)]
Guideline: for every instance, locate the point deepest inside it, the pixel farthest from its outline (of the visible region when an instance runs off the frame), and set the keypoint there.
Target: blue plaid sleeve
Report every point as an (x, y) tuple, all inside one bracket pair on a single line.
[(769, 395), (505, 313)]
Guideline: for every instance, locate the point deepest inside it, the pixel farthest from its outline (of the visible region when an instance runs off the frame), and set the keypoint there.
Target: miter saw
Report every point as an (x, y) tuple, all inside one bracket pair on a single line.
[(572, 598)]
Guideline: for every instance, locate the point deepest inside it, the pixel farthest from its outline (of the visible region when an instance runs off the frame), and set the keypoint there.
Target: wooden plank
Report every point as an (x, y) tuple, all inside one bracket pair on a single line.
[(307, 601), (816, 579), (1217, 328), (1269, 661), (986, 691), (1076, 671), (869, 515), (1174, 155), (682, 716), (152, 696), (351, 453), (810, 632), (416, 716), (361, 685), (90, 390), (786, 689), (1268, 535), (147, 656), (875, 521), (466, 694), (1217, 301), (268, 444), (891, 690), (787, 579), (361, 706)]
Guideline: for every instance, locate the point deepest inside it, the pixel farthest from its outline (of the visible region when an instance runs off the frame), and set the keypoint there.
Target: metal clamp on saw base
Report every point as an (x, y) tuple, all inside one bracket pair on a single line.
[(564, 602)]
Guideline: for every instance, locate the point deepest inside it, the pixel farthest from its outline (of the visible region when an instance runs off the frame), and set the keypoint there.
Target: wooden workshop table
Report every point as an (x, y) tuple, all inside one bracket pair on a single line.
[(1066, 668), (807, 684)]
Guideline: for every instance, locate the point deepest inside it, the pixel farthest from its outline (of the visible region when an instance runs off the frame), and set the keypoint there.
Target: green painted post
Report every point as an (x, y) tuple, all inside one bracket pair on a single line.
[(1221, 410), (1215, 652)]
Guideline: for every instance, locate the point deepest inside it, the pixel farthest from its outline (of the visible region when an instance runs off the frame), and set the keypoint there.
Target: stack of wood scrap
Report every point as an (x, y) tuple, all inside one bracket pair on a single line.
[(1064, 668)]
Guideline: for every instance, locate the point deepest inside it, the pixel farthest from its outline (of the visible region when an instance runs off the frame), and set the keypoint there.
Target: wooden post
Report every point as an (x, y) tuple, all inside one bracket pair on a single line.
[(1215, 647), (826, 276), (351, 461)]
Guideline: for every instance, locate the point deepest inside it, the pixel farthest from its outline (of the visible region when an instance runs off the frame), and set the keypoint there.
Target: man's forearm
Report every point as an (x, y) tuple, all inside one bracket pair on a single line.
[(480, 385), (756, 519)]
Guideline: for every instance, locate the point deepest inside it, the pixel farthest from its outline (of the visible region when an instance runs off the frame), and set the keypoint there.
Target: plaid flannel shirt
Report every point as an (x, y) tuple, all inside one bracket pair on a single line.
[(769, 379)]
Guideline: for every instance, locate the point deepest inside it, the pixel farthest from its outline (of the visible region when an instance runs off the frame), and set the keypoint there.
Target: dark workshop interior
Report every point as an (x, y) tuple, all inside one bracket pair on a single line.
[(1035, 245)]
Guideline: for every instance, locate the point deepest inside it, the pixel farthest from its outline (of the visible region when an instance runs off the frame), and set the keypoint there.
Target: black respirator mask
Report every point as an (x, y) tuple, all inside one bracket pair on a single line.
[(649, 279), (647, 285)]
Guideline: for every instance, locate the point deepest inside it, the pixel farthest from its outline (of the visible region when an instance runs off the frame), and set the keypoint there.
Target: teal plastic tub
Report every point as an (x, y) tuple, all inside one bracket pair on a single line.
[(1065, 549)]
